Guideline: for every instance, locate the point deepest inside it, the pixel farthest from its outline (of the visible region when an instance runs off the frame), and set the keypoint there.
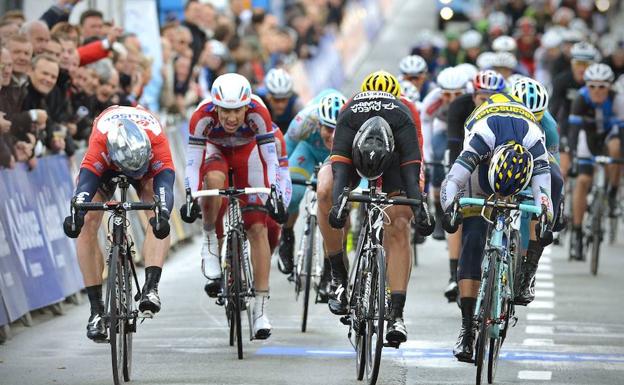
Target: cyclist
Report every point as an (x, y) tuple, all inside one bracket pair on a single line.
[(535, 97), (484, 84), (278, 96), (414, 69), (595, 119), (565, 89), (308, 141), (377, 116), (233, 130), (471, 41), (435, 110), (128, 141), (503, 152)]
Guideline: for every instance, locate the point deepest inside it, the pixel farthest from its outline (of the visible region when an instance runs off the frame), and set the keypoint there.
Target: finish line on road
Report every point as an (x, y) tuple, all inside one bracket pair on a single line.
[(414, 353)]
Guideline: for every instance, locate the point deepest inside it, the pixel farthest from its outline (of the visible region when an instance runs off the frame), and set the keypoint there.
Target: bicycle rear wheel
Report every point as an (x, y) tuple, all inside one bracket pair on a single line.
[(116, 324), (484, 318), (307, 270), (375, 316), (596, 229)]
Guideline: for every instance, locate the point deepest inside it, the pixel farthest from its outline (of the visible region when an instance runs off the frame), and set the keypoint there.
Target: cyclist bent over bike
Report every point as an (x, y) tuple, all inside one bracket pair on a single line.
[(128, 141), (375, 117), (503, 153)]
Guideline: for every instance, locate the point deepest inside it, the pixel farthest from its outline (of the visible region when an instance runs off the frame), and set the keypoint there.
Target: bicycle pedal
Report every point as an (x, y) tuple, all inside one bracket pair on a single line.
[(391, 344)]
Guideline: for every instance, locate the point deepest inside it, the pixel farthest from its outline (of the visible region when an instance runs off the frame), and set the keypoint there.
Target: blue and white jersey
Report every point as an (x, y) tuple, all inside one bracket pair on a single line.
[(501, 120)]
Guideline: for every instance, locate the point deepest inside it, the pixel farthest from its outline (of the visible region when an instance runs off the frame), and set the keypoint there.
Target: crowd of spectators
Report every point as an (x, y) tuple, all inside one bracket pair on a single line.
[(56, 77)]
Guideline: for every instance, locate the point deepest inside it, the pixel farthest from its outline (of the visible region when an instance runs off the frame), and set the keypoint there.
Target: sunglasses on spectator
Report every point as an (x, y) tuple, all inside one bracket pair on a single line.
[(598, 86)]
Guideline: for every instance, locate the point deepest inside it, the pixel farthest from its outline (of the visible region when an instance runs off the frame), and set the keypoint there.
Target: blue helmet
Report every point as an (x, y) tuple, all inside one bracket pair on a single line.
[(329, 107), (488, 81)]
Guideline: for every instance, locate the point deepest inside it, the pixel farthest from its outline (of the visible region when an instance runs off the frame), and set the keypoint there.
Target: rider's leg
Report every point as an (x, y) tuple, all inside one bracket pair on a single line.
[(613, 149), (439, 143), (579, 198), (154, 251), (260, 255), (564, 164), (454, 249), (474, 234)]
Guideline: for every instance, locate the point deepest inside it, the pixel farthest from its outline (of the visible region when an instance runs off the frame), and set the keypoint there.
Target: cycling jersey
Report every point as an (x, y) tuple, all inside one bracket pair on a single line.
[(432, 107), (591, 125), (292, 108), (565, 90), (403, 173), (500, 120), (96, 168), (254, 141)]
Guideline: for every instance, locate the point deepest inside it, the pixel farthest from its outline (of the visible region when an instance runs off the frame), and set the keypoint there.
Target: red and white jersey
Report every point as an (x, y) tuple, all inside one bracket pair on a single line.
[(97, 160), (205, 128), (205, 125), (419, 133)]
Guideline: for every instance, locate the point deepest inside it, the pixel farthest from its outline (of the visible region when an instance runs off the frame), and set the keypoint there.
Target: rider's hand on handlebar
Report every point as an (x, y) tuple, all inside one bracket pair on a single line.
[(275, 206), (161, 227), (425, 222), (543, 229), (73, 231), (339, 212), (190, 210), (452, 218)]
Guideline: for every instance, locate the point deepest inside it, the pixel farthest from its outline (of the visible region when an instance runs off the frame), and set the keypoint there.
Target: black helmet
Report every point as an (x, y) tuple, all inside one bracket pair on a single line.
[(373, 146)]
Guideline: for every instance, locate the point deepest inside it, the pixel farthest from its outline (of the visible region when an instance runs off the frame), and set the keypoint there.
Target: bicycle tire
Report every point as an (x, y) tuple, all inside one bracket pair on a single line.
[(485, 315), (496, 343), (376, 318), (309, 255), (234, 249), (128, 329), (115, 327), (613, 230), (357, 296), (596, 229), (494, 350)]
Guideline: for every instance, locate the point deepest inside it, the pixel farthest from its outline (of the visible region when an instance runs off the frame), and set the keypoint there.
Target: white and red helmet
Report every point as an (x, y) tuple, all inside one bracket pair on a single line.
[(231, 91)]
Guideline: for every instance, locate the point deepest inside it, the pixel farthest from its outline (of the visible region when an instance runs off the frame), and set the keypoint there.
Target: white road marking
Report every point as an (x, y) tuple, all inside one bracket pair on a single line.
[(539, 284), (540, 317), (538, 342), (544, 294), (544, 267), (545, 259), (547, 251), (535, 375), (543, 276), (541, 305), (534, 329)]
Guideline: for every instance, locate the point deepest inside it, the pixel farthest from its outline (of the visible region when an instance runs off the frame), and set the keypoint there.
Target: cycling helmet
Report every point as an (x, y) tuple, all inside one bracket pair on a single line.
[(412, 65), (504, 60), (373, 147), (504, 44), (329, 108), (128, 147), (572, 36), (382, 81), (489, 81), (599, 72), (470, 39), (279, 83), (552, 38), (514, 78), (532, 93), (485, 60), (409, 91), (468, 69), (584, 51), (451, 78), (510, 169), (231, 91)]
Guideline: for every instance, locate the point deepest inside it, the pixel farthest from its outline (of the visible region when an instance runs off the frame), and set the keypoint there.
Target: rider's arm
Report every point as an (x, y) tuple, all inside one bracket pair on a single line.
[(341, 163), (618, 109), (161, 165), (575, 121), (195, 150), (427, 114), (535, 142), (283, 174), (88, 182), (549, 124), (406, 140), (163, 187), (265, 139), (298, 128)]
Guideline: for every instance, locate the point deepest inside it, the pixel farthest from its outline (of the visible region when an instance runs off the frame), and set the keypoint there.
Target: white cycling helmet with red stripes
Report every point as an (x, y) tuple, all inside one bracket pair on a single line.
[(231, 91), (488, 81)]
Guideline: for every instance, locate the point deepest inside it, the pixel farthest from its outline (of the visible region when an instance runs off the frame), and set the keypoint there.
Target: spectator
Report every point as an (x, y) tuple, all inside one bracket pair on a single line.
[(192, 20), (21, 51), (91, 25), (213, 62), (616, 59), (59, 12), (107, 86), (14, 16), (8, 29), (70, 31), (54, 48), (38, 34), (7, 159)]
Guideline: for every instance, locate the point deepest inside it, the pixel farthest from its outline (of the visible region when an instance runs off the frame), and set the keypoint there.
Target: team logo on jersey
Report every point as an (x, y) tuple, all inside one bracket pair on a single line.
[(366, 106), (373, 95), (390, 106)]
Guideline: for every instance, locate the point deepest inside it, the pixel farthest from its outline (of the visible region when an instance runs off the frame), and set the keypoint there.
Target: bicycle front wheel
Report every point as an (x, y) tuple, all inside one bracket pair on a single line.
[(116, 324), (485, 318), (376, 316), (307, 270), (596, 228), (130, 321), (234, 249)]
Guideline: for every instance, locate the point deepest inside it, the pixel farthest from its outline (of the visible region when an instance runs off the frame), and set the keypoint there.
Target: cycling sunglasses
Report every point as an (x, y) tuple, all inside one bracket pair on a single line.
[(452, 93), (598, 86)]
